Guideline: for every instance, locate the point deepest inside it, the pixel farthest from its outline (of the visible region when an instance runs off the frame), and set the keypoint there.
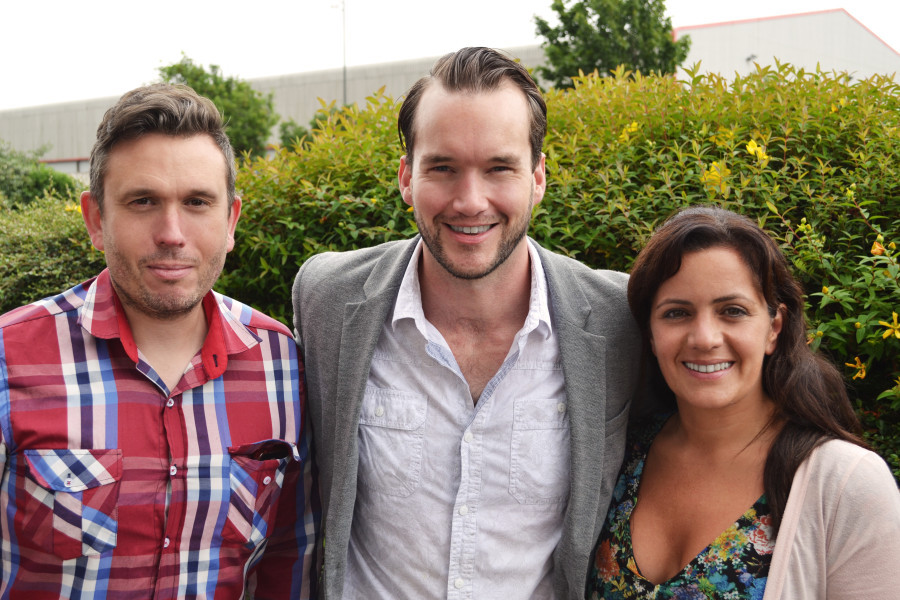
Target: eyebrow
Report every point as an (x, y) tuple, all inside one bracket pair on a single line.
[(718, 300), (503, 159), (141, 192)]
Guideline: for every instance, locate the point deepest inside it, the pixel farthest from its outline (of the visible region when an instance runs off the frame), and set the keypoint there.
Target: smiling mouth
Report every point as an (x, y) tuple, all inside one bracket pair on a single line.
[(708, 368), (470, 230)]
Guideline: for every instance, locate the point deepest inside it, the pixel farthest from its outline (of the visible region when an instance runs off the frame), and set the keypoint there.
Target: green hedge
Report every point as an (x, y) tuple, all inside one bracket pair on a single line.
[(44, 249), (810, 155), (23, 178)]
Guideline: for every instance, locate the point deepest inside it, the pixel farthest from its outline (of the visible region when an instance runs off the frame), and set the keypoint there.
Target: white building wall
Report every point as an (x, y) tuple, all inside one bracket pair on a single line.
[(70, 128), (832, 39)]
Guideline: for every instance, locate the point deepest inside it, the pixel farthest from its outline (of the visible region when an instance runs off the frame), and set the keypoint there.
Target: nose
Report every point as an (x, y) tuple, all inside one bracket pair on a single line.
[(706, 333), (168, 227), (470, 195)]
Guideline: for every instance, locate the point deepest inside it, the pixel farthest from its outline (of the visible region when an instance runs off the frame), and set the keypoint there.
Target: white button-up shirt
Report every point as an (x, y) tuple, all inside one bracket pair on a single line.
[(457, 499)]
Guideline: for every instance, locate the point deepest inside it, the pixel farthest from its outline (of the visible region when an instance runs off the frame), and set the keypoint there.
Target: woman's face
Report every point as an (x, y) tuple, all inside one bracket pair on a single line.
[(710, 330)]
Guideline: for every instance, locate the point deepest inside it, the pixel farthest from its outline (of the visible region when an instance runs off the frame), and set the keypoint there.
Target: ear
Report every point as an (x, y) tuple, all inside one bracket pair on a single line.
[(234, 213), (652, 345), (540, 180), (404, 178), (93, 220), (777, 323)]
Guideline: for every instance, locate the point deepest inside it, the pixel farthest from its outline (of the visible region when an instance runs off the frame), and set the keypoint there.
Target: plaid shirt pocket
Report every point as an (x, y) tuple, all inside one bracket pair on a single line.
[(256, 475), (71, 499)]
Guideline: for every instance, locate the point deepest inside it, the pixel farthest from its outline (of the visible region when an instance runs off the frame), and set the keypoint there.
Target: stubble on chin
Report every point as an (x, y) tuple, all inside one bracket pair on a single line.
[(508, 245), (169, 304)]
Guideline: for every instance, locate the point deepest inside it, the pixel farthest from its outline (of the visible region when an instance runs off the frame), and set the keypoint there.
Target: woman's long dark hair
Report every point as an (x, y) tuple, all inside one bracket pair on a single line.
[(808, 391)]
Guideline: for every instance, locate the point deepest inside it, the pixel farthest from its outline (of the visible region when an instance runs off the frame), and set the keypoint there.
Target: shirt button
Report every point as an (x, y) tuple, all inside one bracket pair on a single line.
[(468, 436), (172, 470), (170, 403), (166, 543), (464, 510), (561, 408), (267, 480), (379, 412), (459, 583)]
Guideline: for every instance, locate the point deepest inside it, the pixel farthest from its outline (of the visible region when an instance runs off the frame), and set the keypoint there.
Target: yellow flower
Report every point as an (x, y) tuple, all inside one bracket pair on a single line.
[(877, 249), (820, 333), (858, 325), (892, 246), (624, 136), (715, 178), (860, 368), (892, 328), (834, 107), (824, 289), (73, 208), (758, 151), (410, 209)]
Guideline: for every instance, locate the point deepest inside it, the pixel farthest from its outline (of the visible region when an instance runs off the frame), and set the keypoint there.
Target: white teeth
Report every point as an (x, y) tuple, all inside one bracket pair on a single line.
[(708, 368), (479, 229)]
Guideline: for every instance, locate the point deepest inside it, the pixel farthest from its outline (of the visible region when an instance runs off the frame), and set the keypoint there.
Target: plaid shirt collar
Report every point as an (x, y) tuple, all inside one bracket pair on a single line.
[(103, 317)]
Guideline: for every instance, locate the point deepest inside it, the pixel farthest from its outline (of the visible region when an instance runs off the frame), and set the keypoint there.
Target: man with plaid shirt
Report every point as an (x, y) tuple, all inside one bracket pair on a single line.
[(152, 436)]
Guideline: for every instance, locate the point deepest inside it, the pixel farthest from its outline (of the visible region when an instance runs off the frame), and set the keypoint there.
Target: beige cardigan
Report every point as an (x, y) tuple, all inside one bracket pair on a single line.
[(840, 536)]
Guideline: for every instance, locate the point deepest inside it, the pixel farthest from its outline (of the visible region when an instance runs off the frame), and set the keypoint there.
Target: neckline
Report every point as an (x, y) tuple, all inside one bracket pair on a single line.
[(741, 521)]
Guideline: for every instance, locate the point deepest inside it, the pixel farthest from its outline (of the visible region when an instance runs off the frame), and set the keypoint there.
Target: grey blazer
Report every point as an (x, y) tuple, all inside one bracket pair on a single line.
[(341, 301)]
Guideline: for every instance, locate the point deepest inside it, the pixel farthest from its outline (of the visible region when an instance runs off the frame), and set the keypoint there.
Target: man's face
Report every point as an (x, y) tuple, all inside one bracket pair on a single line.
[(471, 182), (166, 226)]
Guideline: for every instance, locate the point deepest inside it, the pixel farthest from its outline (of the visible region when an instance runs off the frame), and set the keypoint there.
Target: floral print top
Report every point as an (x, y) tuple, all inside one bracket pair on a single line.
[(733, 567)]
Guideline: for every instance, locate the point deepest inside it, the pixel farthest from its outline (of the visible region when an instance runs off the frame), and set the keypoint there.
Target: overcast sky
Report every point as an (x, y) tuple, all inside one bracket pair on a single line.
[(59, 50)]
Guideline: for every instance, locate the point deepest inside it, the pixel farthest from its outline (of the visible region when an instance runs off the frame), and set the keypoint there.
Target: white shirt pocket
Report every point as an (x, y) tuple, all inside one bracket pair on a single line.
[(391, 437), (539, 451)]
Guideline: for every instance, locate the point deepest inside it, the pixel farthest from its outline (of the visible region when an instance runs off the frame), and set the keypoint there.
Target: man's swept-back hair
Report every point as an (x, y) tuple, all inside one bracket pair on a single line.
[(165, 108), (475, 70)]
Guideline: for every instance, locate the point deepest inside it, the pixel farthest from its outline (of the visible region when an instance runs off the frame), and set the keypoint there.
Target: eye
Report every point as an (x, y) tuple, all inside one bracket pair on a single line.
[(141, 202), (735, 311), (197, 202), (675, 313), (500, 169), (440, 169)]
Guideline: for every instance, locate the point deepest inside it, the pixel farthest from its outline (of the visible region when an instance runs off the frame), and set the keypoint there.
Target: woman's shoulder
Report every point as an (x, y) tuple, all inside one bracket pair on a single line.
[(846, 472), (841, 457)]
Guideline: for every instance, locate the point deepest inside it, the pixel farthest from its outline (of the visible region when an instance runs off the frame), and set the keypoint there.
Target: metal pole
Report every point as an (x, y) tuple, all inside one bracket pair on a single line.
[(344, 41)]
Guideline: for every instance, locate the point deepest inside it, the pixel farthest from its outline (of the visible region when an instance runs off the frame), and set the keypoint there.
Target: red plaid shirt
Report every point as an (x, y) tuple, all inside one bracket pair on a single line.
[(115, 487)]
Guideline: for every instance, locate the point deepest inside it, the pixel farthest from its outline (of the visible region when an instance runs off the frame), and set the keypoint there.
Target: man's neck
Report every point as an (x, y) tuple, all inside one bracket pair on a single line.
[(168, 344), (478, 318), (500, 299)]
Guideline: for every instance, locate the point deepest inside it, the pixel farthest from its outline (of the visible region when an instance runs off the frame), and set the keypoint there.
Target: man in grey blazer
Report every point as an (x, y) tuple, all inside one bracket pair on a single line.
[(468, 389)]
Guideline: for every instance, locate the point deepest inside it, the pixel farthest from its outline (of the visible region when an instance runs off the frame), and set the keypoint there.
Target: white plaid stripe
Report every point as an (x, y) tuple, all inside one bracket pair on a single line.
[(65, 475)]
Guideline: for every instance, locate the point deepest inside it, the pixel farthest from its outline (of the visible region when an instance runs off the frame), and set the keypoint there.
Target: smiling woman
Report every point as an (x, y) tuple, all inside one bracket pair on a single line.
[(762, 442)]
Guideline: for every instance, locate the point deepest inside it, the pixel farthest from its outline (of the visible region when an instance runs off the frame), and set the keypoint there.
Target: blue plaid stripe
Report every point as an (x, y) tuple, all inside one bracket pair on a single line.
[(5, 425), (98, 531)]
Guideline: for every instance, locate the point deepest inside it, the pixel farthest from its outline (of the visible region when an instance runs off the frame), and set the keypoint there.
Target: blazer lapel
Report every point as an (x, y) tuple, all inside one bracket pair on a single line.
[(361, 329), (584, 358)]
